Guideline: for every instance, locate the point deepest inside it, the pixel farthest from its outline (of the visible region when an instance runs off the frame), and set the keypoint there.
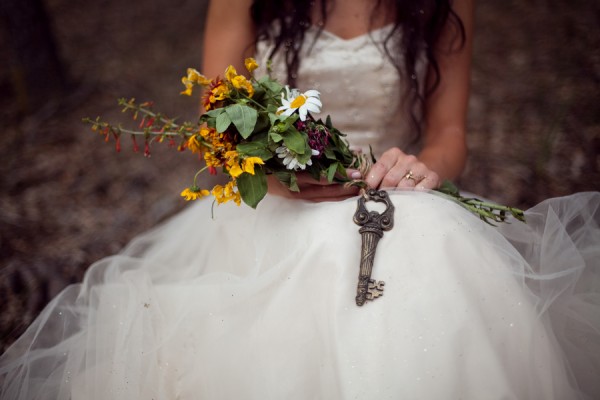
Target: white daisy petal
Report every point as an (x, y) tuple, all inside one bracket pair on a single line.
[(302, 111), (317, 102), (312, 93), (313, 108)]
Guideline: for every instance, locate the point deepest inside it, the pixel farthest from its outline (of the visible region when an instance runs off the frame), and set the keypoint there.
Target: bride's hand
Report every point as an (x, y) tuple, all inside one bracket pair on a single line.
[(397, 169), (313, 190)]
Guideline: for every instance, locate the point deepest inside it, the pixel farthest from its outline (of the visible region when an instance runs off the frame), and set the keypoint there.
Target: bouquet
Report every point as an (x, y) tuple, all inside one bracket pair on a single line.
[(252, 128)]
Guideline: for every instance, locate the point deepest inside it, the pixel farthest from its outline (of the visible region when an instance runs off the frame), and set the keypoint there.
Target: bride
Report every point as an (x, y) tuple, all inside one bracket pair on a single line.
[(260, 303)]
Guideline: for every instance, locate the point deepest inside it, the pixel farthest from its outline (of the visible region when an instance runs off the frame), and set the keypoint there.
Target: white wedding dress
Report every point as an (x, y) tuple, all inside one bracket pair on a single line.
[(260, 304)]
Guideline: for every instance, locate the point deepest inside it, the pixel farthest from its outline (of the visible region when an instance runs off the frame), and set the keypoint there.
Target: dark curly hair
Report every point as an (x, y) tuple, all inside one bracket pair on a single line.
[(417, 23)]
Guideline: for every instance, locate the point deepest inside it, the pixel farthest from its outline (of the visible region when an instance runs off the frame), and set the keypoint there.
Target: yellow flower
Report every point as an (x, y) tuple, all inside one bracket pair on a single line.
[(194, 144), (248, 164), (193, 77), (194, 193), (230, 73), (223, 194), (233, 163), (251, 64), (197, 77), (219, 93), (211, 160), (240, 82), (235, 170), (206, 133), (188, 86), (232, 194)]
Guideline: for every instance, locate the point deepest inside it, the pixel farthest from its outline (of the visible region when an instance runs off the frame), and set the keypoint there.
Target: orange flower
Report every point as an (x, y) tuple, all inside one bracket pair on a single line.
[(218, 91)]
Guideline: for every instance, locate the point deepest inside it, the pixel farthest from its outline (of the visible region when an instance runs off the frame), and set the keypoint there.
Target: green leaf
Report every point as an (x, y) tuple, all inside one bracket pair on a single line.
[(243, 117), (214, 113), (294, 140), (253, 188), (223, 122), (329, 154), (262, 123), (271, 85), (288, 178), (328, 123), (449, 188), (275, 137), (342, 171), (254, 149), (331, 171), (211, 116)]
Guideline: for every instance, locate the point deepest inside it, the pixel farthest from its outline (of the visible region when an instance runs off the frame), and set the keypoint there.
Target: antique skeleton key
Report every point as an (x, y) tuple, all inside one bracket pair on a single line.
[(373, 224)]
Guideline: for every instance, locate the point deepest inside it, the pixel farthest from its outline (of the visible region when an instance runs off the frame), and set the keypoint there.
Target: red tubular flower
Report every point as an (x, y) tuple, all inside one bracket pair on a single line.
[(117, 142), (212, 170), (146, 148), (136, 148)]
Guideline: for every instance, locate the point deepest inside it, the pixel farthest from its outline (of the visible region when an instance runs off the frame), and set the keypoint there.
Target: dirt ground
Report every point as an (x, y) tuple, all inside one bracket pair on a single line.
[(68, 199)]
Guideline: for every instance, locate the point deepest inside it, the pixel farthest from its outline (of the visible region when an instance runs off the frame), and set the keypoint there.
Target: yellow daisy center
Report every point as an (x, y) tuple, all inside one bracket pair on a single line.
[(298, 101)]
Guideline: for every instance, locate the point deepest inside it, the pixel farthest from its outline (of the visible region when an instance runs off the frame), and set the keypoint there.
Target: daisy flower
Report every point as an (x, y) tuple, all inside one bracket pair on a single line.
[(293, 100), (290, 159)]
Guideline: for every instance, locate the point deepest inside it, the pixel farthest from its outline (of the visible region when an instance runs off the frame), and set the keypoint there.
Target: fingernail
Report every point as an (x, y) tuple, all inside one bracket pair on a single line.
[(356, 175)]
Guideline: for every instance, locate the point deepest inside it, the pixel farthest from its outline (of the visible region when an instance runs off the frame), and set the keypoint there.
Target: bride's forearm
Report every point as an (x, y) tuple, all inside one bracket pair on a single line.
[(447, 156)]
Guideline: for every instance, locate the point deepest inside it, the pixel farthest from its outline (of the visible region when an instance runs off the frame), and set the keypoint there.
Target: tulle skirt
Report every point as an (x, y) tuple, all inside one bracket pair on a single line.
[(260, 304)]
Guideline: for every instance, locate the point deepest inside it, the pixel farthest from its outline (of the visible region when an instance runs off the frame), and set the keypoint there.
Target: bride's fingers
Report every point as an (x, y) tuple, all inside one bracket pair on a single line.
[(397, 169), (407, 172), (431, 181), (415, 172), (384, 166)]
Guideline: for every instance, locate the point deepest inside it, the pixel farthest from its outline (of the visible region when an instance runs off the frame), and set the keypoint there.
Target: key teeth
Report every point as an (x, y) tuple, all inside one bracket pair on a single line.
[(375, 289)]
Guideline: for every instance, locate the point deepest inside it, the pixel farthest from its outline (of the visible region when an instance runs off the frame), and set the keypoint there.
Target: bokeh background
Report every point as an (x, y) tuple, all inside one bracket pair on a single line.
[(68, 199)]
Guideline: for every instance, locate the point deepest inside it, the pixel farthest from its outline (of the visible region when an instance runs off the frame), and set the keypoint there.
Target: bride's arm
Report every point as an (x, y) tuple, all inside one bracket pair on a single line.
[(444, 146), (228, 36)]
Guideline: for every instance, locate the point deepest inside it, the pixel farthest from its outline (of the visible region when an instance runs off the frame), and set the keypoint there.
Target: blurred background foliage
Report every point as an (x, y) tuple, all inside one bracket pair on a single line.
[(67, 199)]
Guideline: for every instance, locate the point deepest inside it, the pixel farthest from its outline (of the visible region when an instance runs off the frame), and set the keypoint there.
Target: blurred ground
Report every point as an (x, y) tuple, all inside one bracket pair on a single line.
[(67, 199)]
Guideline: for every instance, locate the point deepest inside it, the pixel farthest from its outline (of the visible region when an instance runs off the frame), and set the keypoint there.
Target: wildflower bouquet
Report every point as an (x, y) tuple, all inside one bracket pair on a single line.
[(252, 128)]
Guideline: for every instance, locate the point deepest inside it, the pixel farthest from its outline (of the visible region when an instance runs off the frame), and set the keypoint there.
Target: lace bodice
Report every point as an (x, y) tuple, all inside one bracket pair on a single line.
[(359, 87)]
